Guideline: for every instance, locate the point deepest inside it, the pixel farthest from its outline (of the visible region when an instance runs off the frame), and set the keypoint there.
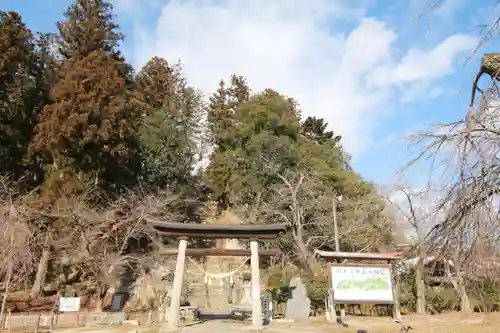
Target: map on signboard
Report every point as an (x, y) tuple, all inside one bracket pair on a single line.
[(362, 284)]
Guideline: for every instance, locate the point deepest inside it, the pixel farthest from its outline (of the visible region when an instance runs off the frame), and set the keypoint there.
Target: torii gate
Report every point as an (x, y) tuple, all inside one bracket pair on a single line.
[(183, 231)]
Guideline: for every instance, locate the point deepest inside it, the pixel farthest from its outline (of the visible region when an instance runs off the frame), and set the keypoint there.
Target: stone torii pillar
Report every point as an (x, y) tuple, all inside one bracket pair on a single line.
[(173, 315), (256, 303)]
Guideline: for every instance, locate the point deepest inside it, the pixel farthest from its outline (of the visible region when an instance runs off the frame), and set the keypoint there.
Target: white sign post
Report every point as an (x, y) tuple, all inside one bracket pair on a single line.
[(354, 284), (69, 304)]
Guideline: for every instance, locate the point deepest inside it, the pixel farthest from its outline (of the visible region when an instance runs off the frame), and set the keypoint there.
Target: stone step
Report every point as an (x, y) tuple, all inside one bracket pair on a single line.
[(218, 298)]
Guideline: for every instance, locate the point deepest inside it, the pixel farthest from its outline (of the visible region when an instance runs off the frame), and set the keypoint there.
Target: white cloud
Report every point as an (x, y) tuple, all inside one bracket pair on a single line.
[(418, 65), (418, 90), (298, 48)]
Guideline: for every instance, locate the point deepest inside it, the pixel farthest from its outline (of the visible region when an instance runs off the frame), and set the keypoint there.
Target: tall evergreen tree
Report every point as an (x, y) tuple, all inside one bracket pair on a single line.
[(170, 126), (158, 82), (315, 129), (88, 27), (222, 108), (259, 144), (88, 131), (47, 67), (17, 91)]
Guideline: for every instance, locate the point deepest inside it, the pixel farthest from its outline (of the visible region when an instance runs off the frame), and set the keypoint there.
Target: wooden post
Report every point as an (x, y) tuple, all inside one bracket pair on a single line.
[(337, 249), (330, 308), (53, 311), (10, 321), (335, 226), (256, 305), (37, 325), (10, 271), (173, 316)]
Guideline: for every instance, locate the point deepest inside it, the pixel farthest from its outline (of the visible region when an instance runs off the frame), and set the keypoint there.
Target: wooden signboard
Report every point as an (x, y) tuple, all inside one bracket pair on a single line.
[(69, 304), (361, 283)]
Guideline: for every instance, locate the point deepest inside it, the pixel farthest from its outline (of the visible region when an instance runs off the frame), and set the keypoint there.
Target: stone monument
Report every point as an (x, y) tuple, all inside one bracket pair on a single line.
[(298, 306), (245, 303)]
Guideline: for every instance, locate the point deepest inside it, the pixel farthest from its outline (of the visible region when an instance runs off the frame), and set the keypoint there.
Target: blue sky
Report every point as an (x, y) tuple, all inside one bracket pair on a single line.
[(372, 68)]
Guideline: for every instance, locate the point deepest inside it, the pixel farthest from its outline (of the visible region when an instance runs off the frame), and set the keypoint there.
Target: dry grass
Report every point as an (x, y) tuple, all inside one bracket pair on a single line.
[(149, 328), (445, 323)]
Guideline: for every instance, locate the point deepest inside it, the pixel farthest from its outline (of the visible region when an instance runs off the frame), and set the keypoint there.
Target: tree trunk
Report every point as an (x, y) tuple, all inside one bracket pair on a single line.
[(465, 305), (99, 302), (41, 272), (458, 284), (307, 258), (420, 287), (6, 293), (396, 292)]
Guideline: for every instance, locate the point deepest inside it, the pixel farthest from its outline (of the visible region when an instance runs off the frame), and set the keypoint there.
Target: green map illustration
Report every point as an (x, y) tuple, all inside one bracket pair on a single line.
[(370, 283)]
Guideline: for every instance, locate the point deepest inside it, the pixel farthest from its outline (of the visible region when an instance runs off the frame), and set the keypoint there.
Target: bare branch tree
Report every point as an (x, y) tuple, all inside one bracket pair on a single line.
[(16, 237), (303, 202), (114, 241), (464, 158), (488, 29), (415, 217)]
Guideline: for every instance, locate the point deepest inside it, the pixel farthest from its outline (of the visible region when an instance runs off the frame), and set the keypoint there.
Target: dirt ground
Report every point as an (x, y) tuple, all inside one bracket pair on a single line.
[(445, 323)]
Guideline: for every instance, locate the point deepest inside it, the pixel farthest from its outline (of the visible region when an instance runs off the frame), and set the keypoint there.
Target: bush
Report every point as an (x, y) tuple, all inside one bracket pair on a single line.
[(317, 287), (277, 280)]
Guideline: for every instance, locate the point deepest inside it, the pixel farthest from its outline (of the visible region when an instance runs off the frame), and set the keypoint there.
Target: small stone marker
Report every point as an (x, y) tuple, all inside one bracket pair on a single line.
[(267, 307), (245, 304), (298, 306), (117, 302)]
